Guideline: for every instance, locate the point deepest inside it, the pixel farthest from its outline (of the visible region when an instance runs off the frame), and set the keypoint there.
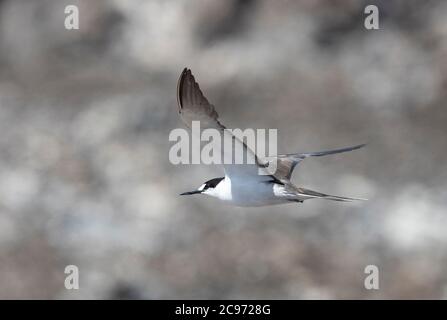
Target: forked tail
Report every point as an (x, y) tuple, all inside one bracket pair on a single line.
[(310, 194)]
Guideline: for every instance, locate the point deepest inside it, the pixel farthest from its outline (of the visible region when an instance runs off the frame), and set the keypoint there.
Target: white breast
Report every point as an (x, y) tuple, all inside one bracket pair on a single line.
[(247, 192)]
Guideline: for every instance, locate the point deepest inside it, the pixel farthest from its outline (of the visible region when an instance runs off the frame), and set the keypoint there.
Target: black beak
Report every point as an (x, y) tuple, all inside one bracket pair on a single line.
[(190, 192)]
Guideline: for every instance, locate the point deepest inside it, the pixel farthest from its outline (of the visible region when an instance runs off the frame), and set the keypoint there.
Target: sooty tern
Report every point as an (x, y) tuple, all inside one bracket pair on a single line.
[(243, 185)]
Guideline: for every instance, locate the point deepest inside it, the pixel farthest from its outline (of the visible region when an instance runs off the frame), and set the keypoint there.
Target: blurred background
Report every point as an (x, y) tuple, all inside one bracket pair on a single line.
[(85, 178)]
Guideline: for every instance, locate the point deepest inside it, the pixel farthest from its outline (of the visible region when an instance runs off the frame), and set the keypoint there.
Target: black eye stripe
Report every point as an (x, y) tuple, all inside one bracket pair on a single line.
[(212, 183)]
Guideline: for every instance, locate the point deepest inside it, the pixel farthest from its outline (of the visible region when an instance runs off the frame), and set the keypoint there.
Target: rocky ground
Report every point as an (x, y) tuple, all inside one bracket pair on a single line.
[(85, 178)]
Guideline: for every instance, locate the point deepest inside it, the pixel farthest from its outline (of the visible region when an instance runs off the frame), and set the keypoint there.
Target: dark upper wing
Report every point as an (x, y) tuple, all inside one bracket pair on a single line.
[(287, 162), (194, 106)]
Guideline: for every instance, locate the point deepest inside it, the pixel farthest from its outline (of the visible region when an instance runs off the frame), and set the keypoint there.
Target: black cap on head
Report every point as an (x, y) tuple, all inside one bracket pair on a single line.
[(212, 183), (209, 184)]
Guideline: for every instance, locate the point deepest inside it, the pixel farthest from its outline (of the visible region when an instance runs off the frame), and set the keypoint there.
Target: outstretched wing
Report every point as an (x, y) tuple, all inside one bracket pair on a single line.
[(194, 106), (285, 163)]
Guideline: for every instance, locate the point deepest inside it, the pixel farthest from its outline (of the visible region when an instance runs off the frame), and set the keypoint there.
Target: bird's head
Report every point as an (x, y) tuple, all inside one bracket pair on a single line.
[(207, 188)]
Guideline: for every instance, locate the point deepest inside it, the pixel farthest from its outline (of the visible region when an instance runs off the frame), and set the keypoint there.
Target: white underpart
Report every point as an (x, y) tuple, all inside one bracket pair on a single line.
[(247, 192)]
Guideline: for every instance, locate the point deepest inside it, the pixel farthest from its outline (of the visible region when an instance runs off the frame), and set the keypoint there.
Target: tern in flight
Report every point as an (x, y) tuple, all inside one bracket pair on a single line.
[(243, 185)]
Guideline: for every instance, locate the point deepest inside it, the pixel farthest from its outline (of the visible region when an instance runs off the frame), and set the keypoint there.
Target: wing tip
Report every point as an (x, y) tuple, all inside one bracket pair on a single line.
[(360, 145), (356, 147), (180, 82), (185, 71)]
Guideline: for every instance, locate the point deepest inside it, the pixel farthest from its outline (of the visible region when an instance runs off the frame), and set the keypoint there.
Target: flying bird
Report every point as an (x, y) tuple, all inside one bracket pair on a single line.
[(242, 184)]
